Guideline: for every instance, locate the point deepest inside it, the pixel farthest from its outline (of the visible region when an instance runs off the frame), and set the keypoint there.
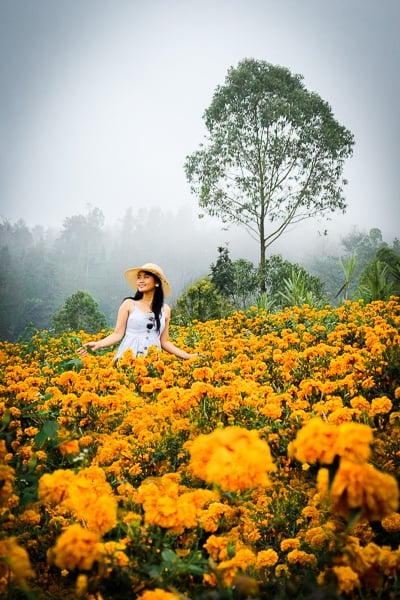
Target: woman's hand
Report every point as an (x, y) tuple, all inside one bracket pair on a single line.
[(88, 348)]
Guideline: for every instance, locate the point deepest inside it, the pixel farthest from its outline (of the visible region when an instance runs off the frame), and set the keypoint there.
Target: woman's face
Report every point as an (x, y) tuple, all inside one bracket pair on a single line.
[(146, 282)]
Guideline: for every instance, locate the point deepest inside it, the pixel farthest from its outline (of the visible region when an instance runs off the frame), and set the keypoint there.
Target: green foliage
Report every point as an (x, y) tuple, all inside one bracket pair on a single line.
[(374, 282), (202, 302), (273, 154), (360, 251), (348, 268), (235, 280), (289, 284), (80, 312), (295, 290)]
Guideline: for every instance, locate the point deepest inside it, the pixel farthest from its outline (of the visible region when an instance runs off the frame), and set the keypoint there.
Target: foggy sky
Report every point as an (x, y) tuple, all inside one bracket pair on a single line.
[(102, 100)]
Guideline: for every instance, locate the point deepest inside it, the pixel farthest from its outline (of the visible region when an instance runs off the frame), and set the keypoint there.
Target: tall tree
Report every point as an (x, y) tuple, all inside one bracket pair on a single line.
[(274, 154)]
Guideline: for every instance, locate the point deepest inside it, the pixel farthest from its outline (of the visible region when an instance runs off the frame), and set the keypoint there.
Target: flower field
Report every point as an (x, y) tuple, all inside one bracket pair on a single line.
[(265, 468)]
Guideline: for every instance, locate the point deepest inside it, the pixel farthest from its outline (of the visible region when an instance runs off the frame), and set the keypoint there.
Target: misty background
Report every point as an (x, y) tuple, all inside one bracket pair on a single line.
[(102, 101)]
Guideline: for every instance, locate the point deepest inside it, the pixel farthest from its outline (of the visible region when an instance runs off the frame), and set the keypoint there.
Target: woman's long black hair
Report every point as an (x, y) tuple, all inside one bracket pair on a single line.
[(158, 298)]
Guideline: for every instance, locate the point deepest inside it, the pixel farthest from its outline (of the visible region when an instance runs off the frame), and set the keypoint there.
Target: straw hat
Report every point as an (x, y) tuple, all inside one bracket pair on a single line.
[(131, 276)]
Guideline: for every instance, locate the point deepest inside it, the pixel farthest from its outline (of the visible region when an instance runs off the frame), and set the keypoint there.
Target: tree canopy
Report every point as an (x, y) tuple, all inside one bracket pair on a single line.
[(273, 156), (80, 312)]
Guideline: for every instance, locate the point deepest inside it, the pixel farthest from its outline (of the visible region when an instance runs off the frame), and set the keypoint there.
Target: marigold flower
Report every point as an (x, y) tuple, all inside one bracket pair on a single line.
[(320, 442), (300, 557), (234, 458), (30, 517), (81, 585), (380, 406), (290, 544), (315, 443), (53, 487), (113, 553), (360, 487), (169, 505), (346, 579), (282, 571), (76, 548), (391, 523), (14, 561), (266, 558), (70, 447), (158, 594), (354, 442)]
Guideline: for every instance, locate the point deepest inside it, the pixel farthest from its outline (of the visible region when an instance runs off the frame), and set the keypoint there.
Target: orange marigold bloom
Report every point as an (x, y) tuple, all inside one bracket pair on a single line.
[(234, 458), (380, 406), (315, 443), (170, 505), (70, 447), (346, 579), (30, 517), (211, 517), (391, 522), (53, 487), (319, 442), (360, 403), (290, 544), (113, 553), (14, 561), (360, 487), (76, 548), (266, 558), (354, 442), (159, 594), (300, 557)]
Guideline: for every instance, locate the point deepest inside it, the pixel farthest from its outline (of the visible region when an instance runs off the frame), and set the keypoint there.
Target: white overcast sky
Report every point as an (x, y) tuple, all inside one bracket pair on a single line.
[(102, 100)]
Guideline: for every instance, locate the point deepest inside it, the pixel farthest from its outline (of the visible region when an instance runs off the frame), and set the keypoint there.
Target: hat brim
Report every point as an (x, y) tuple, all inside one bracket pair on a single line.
[(131, 275)]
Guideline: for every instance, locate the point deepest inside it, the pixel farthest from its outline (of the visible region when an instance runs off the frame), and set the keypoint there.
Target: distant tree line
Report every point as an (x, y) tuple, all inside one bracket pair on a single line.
[(73, 279), (40, 268)]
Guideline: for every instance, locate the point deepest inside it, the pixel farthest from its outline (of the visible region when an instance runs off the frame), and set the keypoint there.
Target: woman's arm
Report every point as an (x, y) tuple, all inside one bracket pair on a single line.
[(166, 343), (118, 333)]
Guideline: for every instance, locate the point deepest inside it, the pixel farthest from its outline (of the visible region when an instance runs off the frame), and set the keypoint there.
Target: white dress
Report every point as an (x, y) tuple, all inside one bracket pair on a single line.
[(141, 332)]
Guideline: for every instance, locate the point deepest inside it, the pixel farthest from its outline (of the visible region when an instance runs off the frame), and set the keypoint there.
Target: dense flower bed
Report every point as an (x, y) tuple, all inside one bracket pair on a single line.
[(266, 468)]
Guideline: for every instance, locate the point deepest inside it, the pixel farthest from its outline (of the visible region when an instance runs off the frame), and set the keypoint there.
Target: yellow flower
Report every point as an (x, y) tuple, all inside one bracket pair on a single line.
[(266, 558), (360, 487), (346, 579), (81, 585), (391, 522), (113, 553), (320, 442), (30, 517), (76, 548), (300, 557), (290, 544), (53, 487), (234, 458), (158, 594), (14, 562), (354, 442), (170, 505), (315, 443), (380, 406), (70, 447)]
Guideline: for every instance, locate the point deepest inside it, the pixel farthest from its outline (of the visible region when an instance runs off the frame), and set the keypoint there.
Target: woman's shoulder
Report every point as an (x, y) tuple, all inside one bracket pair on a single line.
[(128, 302), (166, 309)]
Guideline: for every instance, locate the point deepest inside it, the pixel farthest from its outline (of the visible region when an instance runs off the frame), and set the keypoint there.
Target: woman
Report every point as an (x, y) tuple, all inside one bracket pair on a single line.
[(142, 321)]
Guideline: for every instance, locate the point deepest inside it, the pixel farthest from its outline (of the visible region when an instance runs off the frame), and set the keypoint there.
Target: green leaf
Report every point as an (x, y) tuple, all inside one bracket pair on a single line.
[(169, 556), (71, 364), (48, 431)]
